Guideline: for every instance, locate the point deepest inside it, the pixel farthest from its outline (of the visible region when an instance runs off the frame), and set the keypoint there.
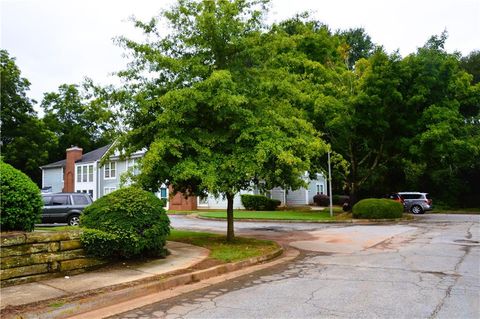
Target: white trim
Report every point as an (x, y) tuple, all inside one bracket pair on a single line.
[(43, 178), (306, 196)]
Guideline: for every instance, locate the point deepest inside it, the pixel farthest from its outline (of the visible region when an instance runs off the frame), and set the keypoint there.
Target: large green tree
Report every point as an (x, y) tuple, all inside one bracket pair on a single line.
[(214, 111), (25, 140), (78, 117)]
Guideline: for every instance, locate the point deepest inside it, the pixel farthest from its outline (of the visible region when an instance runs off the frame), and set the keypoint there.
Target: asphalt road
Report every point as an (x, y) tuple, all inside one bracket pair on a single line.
[(429, 268)]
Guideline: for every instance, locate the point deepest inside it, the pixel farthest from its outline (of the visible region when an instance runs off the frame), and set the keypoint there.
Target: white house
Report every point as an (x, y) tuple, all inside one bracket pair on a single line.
[(83, 173)]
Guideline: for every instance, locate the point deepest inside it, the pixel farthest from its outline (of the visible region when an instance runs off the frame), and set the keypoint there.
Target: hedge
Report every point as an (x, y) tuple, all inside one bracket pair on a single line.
[(259, 202), (21, 201), (126, 223), (373, 208)]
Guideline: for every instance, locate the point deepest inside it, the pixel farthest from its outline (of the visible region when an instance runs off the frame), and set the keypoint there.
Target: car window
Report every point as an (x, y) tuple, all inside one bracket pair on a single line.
[(411, 196), (80, 200), (428, 196), (46, 200), (60, 200)]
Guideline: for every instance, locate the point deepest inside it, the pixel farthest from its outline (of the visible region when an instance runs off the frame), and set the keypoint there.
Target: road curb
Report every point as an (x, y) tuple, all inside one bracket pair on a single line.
[(287, 221), (87, 301)]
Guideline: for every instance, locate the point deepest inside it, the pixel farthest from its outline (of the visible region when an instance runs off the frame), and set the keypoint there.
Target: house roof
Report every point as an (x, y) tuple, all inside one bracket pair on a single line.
[(92, 156)]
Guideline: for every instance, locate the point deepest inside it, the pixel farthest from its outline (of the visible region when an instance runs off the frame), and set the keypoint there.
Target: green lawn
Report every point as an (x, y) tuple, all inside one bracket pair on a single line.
[(275, 215), (220, 249)]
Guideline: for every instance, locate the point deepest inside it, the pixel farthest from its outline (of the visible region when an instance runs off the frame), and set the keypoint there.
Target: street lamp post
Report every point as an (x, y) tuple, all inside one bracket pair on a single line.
[(330, 185)]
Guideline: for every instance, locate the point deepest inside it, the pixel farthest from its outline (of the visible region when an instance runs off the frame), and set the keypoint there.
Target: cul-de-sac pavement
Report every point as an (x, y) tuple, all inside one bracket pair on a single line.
[(427, 268)]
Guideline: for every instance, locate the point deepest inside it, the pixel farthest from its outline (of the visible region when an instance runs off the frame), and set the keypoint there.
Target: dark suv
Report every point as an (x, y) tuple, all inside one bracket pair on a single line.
[(64, 207)]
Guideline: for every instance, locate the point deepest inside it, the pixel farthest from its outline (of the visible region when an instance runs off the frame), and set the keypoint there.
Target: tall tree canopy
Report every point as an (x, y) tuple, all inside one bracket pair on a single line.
[(25, 139), (77, 118), (214, 111)]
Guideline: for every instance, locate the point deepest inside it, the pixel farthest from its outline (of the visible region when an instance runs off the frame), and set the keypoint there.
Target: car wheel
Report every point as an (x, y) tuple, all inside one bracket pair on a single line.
[(416, 209), (74, 220)]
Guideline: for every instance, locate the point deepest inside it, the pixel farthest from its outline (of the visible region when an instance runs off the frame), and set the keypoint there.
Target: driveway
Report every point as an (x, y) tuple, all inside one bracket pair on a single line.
[(428, 268)]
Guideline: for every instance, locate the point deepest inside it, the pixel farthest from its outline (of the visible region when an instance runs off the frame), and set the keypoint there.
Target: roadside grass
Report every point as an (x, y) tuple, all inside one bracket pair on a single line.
[(221, 250), (276, 215), (57, 228)]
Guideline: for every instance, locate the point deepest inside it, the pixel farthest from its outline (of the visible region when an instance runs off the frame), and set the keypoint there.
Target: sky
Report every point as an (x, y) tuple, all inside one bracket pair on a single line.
[(64, 41)]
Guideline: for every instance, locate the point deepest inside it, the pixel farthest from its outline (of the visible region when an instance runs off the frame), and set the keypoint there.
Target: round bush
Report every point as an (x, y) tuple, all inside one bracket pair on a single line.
[(321, 200), (259, 202), (373, 208), (21, 203), (126, 223)]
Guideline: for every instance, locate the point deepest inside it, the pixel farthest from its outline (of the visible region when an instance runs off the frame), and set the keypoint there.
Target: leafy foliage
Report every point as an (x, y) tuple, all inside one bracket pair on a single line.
[(21, 204), (259, 202), (126, 223), (217, 113), (373, 208), (26, 141), (76, 118)]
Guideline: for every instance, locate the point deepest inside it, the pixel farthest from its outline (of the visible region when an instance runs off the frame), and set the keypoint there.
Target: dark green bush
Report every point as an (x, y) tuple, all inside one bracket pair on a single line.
[(259, 202), (373, 208), (21, 203), (126, 223), (321, 200), (340, 199)]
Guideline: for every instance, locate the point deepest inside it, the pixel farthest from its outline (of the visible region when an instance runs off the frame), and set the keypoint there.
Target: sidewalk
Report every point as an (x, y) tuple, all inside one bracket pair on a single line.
[(182, 256), (68, 297)]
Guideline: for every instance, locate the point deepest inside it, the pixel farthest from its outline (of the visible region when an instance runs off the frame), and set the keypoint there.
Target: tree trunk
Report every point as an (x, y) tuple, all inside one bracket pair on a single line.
[(230, 230)]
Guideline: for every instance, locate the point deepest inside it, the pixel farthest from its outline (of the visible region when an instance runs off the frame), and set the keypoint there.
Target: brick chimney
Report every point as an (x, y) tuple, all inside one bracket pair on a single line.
[(74, 154)]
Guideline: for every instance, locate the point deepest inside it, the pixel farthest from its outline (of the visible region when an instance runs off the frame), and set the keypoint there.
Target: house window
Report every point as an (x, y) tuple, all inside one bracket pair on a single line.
[(84, 173), (132, 166), (163, 193), (108, 190), (110, 170), (319, 189)]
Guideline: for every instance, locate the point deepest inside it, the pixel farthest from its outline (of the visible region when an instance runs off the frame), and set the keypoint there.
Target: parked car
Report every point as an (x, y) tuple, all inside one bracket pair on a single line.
[(64, 207), (416, 202), (396, 197)]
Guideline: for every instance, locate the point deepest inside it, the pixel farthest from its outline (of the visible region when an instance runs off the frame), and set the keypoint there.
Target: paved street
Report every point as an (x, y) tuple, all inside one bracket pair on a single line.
[(423, 269)]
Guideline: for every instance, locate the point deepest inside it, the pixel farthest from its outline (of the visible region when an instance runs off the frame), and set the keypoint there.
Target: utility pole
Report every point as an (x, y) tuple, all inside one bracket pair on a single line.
[(330, 184)]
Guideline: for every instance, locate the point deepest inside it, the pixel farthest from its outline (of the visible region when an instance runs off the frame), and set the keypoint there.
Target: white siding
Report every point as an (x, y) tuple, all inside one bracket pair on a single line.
[(53, 177)]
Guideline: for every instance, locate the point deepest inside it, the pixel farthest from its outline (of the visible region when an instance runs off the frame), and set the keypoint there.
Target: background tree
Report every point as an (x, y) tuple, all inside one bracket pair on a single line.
[(25, 139), (471, 64), (359, 45), (77, 118), (212, 119)]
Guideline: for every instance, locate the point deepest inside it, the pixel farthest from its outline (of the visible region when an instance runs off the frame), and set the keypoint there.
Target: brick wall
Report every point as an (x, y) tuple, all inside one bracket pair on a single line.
[(27, 257)]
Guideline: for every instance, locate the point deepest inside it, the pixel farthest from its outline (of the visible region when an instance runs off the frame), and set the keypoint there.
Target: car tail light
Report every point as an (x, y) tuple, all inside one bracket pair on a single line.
[(429, 202)]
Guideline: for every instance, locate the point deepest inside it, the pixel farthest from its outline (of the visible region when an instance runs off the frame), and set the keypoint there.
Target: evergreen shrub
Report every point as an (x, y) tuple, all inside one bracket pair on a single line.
[(373, 208), (259, 202), (340, 199), (21, 201), (321, 200), (126, 223)]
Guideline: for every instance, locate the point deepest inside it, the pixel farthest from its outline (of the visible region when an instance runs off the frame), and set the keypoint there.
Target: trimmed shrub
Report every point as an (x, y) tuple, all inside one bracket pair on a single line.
[(259, 202), (126, 223), (21, 203), (340, 199), (321, 200), (373, 208)]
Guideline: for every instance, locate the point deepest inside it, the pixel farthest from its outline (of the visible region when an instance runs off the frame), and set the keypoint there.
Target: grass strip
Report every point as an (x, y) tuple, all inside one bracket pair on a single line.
[(221, 250), (274, 215)]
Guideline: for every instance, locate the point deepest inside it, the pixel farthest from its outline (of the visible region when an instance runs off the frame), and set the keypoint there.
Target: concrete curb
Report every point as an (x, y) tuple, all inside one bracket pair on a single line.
[(87, 301), (287, 221)]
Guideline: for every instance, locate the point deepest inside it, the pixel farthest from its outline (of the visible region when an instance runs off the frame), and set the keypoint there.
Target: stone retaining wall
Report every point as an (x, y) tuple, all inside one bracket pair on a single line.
[(27, 257)]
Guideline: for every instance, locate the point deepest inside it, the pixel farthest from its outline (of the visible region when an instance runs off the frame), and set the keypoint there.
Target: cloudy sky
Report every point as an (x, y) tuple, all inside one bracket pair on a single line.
[(63, 41)]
